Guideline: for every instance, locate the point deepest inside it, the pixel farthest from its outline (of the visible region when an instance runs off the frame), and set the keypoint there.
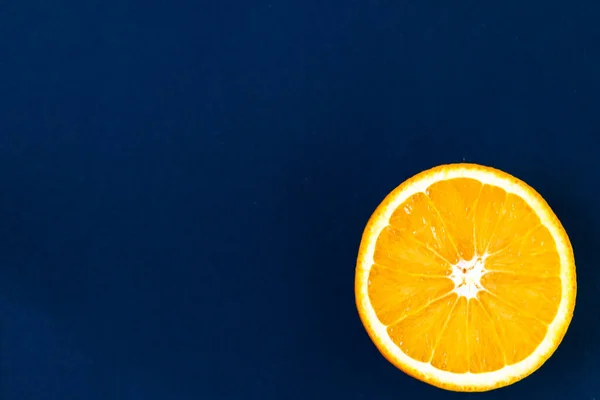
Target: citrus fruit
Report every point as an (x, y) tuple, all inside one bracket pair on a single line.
[(465, 278)]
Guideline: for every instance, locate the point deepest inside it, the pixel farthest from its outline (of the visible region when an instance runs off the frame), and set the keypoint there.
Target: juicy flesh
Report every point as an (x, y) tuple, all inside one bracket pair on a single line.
[(465, 277)]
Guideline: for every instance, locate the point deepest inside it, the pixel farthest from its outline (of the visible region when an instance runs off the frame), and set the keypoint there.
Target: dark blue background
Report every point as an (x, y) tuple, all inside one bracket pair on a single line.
[(184, 184)]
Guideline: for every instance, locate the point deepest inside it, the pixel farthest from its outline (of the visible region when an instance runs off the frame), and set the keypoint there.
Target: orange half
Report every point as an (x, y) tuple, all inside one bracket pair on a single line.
[(465, 278)]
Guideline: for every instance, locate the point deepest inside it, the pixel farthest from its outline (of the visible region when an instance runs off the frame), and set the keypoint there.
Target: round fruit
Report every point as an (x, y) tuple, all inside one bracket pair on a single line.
[(465, 278)]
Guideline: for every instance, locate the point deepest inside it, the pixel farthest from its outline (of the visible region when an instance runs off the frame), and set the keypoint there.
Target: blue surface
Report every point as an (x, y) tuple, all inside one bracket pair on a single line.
[(184, 184)]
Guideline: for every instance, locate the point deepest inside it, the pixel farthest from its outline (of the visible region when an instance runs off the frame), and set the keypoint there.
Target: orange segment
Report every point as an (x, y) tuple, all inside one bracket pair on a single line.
[(488, 212), (532, 254), (485, 347), (533, 295), (455, 201), (396, 294), (516, 220), (399, 249), (465, 278), (452, 350), (520, 333), (419, 219), (418, 334)]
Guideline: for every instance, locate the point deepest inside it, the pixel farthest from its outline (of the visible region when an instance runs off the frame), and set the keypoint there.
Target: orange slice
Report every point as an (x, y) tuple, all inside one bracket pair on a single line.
[(465, 278)]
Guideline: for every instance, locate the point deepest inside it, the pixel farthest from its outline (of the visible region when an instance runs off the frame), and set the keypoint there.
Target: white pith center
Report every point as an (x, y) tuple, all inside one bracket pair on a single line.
[(467, 275)]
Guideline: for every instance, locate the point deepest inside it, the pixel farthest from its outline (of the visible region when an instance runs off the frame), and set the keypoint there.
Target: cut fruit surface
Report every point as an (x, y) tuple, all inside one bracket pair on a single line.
[(465, 278)]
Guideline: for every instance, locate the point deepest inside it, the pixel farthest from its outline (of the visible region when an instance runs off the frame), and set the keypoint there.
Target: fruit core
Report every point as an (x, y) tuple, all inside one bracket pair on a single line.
[(467, 274)]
